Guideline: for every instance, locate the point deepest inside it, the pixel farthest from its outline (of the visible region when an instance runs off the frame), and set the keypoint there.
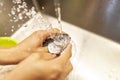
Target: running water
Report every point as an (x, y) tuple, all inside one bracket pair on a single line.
[(58, 13)]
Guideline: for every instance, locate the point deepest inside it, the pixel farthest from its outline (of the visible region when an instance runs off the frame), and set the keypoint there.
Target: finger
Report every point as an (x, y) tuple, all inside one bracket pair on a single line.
[(45, 53), (42, 56), (44, 34), (54, 31), (36, 39), (65, 56), (48, 56), (49, 33), (42, 49), (68, 68)]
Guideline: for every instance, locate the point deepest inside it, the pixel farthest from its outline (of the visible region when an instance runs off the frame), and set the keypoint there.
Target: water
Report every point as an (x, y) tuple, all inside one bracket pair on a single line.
[(58, 13), (20, 11)]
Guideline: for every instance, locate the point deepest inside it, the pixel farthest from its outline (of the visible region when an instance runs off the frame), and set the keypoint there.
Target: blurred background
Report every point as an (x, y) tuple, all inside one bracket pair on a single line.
[(98, 16)]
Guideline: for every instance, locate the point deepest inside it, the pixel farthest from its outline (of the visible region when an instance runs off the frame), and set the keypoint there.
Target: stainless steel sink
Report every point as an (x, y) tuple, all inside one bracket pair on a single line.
[(94, 57), (98, 16)]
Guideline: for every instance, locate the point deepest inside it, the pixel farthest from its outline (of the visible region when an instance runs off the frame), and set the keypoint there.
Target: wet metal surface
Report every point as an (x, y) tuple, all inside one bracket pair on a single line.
[(99, 16)]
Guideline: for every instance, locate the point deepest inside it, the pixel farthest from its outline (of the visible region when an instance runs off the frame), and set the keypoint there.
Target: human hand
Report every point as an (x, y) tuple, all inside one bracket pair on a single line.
[(43, 66), (28, 46)]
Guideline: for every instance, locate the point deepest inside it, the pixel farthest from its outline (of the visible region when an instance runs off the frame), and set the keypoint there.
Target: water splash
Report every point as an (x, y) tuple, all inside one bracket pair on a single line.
[(20, 12)]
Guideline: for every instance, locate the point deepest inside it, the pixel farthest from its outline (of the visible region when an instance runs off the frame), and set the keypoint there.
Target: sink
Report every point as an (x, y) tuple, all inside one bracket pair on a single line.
[(94, 57), (100, 17)]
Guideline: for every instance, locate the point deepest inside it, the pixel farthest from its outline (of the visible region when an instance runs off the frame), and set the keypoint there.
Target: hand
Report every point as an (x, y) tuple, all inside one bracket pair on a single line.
[(31, 44), (43, 66)]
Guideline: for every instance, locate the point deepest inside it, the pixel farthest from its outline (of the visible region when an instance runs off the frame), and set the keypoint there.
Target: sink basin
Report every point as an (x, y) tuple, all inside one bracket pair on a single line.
[(94, 57)]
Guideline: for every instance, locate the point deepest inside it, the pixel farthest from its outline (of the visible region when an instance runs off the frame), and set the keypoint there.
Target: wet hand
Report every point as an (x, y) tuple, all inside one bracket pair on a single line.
[(28, 46), (43, 66)]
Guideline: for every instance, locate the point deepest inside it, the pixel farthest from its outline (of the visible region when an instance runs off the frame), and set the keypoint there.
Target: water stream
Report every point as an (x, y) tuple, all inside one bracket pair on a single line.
[(58, 13)]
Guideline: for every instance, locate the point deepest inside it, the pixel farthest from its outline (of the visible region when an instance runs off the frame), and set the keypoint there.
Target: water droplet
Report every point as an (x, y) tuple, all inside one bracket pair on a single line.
[(43, 7), (19, 26), (13, 27), (20, 16), (12, 30), (11, 20), (18, 9), (17, 1), (5, 33), (13, 12), (1, 3), (14, 18), (9, 15)]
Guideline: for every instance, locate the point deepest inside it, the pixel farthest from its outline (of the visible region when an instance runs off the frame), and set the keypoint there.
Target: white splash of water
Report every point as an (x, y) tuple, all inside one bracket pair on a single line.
[(20, 12)]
